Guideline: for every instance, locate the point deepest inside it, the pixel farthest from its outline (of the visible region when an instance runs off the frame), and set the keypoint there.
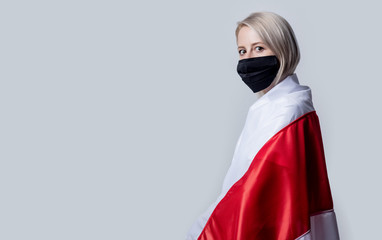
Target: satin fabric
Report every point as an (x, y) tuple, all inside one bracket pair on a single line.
[(281, 105), (284, 186)]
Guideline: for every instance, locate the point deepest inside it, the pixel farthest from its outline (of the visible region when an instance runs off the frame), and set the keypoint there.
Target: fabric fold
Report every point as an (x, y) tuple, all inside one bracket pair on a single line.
[(277, 185)]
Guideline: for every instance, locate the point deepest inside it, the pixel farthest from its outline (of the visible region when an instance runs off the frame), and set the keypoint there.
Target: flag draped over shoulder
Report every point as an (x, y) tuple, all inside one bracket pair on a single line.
[(286, 184), (277, 186)]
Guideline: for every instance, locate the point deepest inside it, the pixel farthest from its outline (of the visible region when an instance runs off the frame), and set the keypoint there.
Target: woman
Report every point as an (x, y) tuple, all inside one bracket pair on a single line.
[(277, 185)]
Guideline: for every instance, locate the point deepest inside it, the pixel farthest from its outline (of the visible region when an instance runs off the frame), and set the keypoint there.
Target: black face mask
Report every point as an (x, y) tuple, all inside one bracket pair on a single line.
[(258, 72)]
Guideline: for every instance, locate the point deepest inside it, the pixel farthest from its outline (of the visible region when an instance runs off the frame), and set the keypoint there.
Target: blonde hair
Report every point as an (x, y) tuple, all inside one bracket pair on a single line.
[(278, 35)]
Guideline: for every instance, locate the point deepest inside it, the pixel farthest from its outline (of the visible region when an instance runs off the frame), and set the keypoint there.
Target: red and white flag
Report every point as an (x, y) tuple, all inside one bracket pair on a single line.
[(277, 186)]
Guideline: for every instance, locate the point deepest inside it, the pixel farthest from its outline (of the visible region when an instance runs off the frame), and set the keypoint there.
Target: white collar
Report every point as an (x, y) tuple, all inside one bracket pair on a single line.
[(288, 85)]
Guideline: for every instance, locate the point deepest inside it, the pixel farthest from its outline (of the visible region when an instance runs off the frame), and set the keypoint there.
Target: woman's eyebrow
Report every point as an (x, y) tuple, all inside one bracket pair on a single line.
[(251, 44)]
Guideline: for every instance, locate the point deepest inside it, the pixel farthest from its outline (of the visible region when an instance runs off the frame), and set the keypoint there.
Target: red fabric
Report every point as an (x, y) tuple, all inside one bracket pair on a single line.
[(285, 184)]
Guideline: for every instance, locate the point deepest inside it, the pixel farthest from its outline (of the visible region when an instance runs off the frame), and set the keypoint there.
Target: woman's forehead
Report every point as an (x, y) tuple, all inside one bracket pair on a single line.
[(247, 36)]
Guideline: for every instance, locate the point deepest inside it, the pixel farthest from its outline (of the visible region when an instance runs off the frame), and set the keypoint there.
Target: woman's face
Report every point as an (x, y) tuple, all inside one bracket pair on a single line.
[(249, 44)]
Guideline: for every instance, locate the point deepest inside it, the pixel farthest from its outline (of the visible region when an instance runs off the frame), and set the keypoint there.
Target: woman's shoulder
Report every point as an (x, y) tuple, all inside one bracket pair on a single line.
[(295, 98), (284, 103), (298, 103)]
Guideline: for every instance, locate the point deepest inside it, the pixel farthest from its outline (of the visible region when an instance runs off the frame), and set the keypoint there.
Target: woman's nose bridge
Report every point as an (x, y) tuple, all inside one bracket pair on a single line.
[(251, 54)]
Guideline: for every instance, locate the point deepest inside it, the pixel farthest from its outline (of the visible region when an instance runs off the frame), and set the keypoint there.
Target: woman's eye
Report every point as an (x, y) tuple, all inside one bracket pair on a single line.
[(259, 49), (241, 51)]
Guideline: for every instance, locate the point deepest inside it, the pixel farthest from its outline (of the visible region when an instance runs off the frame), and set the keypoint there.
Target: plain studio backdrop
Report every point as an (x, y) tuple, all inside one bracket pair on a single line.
[(119, 118)]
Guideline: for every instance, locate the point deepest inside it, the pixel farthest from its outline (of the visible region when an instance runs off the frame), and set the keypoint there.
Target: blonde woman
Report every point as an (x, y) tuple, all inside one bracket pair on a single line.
[(277, 186)]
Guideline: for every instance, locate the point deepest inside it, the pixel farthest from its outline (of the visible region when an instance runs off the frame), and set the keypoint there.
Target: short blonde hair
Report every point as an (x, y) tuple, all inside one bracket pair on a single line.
[(278, 35)]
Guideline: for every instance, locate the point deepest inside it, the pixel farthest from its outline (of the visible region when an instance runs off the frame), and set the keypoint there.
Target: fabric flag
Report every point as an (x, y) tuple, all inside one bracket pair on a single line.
[(277, 186)]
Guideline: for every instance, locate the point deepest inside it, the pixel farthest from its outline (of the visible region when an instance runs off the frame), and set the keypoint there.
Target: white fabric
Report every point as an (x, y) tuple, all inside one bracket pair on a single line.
[(305, 236), (324, 226), (281, 105)]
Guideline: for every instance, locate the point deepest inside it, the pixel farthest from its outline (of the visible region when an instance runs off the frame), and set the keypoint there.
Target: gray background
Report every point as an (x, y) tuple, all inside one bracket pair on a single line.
[(119, 118)]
